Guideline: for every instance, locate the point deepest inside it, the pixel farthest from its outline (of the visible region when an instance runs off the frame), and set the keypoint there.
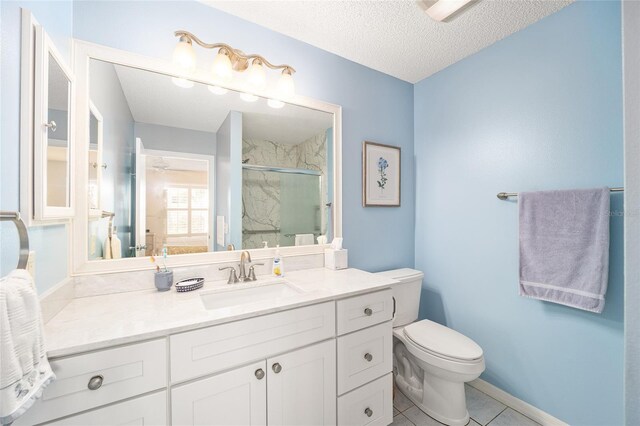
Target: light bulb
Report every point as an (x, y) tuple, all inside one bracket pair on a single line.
[(286, 88), (217, 90), (275, 103), (221, 68), (184, 55), (182, 82), (247, 97), (256, 76)]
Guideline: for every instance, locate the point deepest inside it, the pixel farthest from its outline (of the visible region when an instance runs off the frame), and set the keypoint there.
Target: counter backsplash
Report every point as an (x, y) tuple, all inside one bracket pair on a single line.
[(59, 296)]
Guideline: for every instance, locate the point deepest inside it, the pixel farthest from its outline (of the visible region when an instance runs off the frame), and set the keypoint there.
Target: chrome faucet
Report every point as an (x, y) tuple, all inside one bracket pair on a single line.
[(233, 278), (245, 258)]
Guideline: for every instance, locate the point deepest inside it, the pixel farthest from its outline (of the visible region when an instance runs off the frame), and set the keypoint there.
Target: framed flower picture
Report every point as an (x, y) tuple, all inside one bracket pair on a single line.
[(380, 175)]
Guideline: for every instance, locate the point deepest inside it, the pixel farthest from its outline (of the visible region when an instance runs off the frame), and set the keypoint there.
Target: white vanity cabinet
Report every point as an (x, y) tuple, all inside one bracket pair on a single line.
[(295, 388), (301, 386), (237, 397), (98, 378), (144, 410), (364, 354), (323, 364)]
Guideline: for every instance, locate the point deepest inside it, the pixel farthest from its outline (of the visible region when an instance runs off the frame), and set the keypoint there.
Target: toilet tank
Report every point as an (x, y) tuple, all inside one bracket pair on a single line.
[(406, 294)]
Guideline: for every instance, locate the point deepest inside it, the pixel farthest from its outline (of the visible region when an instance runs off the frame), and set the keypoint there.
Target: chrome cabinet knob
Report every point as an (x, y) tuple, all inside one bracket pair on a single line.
[(276, 368), (52, 125), (368, 357), (368, 312), (368, 411), (95, 382), (259, 373)]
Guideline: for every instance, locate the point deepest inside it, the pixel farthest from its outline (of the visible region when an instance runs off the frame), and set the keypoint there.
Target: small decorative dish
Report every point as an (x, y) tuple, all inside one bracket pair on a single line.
[(189, 284)]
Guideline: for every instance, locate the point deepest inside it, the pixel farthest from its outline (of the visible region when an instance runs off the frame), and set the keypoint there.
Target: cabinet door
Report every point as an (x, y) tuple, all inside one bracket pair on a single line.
[(302, 386), (237, 397)]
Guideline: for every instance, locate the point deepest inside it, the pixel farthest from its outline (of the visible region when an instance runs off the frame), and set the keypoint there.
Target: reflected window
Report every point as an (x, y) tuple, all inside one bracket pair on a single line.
[(187, 211)]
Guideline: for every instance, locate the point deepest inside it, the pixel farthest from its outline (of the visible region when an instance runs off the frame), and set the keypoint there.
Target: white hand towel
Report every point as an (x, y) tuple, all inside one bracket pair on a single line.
[(304, 239), (106, 248), (116, 247), (24, 368)]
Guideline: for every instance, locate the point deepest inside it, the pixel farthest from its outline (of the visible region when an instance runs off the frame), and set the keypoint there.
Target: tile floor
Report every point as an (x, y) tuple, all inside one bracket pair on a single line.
[(483, 410)]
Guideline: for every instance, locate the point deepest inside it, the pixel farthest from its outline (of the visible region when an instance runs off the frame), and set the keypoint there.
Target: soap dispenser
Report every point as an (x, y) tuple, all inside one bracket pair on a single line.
[(278, 265)]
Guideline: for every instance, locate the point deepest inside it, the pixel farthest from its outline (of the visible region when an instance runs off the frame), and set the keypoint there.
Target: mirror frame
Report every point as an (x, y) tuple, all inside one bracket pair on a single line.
[(84, 52)]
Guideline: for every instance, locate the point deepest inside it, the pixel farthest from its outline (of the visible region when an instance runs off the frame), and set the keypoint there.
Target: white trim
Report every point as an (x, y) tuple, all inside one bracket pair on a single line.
[(84, 51), (519, 405), (631, 108), (211, 176), (27, 49)]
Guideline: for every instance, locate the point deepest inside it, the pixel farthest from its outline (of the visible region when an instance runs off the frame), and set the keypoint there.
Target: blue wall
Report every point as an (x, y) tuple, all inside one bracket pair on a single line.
[(50, 243), (541, 109), (228, 200), (376, 107)]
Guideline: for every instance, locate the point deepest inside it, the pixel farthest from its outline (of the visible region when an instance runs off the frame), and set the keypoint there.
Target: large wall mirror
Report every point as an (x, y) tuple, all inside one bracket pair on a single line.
[(179, 165)]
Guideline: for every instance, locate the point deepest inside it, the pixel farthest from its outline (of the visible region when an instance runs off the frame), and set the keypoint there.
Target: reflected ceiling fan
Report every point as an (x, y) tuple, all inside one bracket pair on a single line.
[(160, 165)]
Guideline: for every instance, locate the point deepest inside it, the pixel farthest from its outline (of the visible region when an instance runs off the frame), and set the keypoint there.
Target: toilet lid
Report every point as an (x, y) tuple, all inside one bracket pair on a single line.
[(442, 340)]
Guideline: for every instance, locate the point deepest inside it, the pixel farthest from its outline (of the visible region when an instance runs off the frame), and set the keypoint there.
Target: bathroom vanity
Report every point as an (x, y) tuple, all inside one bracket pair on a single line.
[(319, 354)]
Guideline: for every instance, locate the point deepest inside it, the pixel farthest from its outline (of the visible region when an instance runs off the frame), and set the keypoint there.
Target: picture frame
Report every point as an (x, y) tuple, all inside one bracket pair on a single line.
[(381, 175)]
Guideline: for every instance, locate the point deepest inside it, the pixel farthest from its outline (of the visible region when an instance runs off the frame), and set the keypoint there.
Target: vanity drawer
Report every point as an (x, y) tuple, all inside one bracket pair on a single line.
[(145, 410), (126, 371), (364, 356), (371, 404), (363, 311), (221, 347)]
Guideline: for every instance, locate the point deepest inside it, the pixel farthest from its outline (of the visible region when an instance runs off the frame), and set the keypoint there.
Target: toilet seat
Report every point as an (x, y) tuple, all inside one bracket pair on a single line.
[(443, 342)]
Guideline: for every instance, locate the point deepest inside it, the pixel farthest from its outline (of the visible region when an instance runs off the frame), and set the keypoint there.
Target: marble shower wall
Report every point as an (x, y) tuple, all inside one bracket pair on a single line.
[(261, 191)]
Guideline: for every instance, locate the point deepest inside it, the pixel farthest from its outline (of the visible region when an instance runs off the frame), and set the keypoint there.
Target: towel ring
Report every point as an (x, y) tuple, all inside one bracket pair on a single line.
[(22, 234)]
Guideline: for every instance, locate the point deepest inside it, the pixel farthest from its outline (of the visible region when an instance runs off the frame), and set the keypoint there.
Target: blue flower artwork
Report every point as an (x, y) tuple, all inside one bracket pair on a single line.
[(382, 170)]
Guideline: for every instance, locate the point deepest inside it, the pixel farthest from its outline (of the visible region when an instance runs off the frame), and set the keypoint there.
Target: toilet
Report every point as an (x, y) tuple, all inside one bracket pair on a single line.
[(431, 362)]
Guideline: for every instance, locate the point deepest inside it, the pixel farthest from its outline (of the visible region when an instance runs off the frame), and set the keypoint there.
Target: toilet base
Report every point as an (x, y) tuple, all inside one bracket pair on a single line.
[(436, 390), (444, 402)]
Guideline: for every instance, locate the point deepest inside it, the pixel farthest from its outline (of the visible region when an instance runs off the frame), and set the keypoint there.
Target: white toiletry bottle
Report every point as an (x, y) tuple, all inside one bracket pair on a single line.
[(278, 266)]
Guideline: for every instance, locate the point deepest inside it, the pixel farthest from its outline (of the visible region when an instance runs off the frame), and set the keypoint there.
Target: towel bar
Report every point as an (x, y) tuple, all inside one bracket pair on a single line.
[(506, 195), (22, 234)]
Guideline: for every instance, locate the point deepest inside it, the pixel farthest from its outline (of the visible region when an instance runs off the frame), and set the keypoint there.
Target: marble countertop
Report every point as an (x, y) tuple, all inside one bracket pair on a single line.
[(97, 322)]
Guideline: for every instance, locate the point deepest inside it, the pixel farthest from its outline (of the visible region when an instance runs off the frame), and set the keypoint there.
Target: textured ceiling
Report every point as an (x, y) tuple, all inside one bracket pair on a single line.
[(395, 37)]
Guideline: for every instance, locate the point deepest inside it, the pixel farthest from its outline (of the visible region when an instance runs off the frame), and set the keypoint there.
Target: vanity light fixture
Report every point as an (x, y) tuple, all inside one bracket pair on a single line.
[(182, 82), (442, 9), (248, 97), (217, 90), (228, 60), (274, 103)]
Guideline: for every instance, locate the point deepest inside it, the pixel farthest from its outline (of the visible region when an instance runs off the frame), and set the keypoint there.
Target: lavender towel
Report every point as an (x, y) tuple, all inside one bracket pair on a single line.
[(564, 246)]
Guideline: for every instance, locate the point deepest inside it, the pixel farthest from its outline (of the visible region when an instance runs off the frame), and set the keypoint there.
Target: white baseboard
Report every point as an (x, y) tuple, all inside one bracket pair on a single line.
[(519, 405)]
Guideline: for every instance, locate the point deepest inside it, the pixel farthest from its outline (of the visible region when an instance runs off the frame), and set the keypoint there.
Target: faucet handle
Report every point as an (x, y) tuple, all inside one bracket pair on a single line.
[(233, 278), (252, 272)]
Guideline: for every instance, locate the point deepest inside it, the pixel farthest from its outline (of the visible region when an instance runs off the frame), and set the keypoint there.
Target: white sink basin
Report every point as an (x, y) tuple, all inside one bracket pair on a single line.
[(234, 295)]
